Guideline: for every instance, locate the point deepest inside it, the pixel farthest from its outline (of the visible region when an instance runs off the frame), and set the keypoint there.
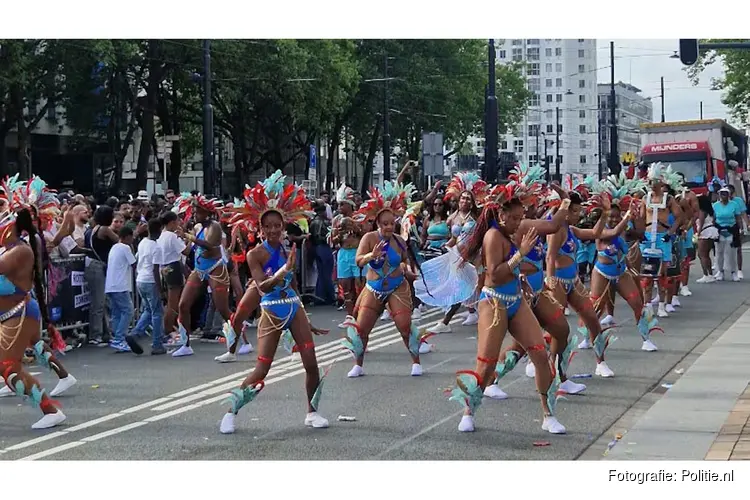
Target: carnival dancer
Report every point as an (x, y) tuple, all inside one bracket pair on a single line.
[(660, 231), (346, 234), (688, 201), (611, 271), (502, 307), (272, 206), (210, 266), (387, 256), (548, 311), (562, 276), (20, 321), (470, 191)]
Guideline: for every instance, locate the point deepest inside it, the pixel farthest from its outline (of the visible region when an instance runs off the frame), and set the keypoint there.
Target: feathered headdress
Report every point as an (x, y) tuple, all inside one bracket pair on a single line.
[(345, 194), (468, 181), (527, 183), (393, 196), (273, 195), (585, 187), (33, 196), (185, 205), (620, 190), (665, 175)]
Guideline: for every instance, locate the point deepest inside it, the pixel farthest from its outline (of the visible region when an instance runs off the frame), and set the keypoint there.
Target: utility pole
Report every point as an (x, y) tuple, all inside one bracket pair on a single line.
[(546, 159), (208, 122), (599, 168), (386, 125), (614, 161), (557, 144), (490, 131), (537, 146), (662, 100), (701, 110)]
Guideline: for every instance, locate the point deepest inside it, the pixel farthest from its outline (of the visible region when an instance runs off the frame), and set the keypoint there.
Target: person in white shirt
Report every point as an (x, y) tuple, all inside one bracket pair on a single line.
[(118, 286), (170, 258), (148, 283)]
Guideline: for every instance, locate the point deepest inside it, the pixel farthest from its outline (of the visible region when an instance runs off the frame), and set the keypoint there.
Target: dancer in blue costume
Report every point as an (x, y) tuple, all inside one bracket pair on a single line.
[(502, 307), (271, 206), (386, 256), (20, 312), (611, 268)]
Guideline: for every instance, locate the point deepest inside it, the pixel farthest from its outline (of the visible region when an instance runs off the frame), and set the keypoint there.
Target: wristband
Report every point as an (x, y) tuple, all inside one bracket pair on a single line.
[(514, 261)]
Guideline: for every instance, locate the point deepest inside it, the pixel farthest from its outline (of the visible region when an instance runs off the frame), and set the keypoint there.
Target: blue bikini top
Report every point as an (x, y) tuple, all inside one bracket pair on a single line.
[(276, 262), (615, 251), (392, 257), (536, 255), (568, 249)]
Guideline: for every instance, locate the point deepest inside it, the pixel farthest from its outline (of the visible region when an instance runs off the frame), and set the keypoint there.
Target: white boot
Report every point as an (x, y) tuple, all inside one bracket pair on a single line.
[(227, 424), (313, 419), (50, 420), (552, 426), (494, 392), (466, 424), (63, 385)]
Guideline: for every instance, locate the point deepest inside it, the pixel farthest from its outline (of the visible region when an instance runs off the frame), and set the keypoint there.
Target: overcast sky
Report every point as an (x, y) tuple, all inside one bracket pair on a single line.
[(642, 62)]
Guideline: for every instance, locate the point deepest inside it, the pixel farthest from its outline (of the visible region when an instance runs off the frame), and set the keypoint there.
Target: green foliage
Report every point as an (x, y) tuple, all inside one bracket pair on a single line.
[(735, 83)]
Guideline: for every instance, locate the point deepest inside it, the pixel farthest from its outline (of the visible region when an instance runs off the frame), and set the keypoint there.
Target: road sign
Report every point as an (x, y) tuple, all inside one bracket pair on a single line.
[(432, 153), (172, 138), (313, 171)]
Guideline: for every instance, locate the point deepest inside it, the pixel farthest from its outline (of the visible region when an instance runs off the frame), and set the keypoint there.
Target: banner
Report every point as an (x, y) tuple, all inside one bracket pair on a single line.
[(67, 295)]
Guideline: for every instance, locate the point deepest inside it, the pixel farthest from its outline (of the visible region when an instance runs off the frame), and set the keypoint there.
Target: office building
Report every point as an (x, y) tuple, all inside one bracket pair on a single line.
[(632, 109)]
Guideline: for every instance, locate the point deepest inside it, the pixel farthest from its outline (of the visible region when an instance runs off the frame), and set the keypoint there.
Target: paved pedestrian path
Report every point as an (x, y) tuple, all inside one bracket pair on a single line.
[(704, 414)]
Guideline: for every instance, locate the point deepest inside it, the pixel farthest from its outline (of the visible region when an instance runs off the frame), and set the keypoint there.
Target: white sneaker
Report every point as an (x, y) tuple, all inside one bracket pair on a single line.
[(662, 312), (685, 291), (719, 276), (183, 351), (603, 370), (571, 387), (566, 312), (585, 344), (63, 385), (471, 319), (494, 392), (530, 370), (735, 277), (355, 372), (552, 426), (313, 419), (416, 370), (227, 357), (709, 279), (6, 391), (740, 275), (655, 300), (440, 327), (466, 424), (50, 420), (227, 424), (245, 349), (676, 301), (416, 314), (425, 348), (386, 316), (669, 308), (607, 320), (648, 346)]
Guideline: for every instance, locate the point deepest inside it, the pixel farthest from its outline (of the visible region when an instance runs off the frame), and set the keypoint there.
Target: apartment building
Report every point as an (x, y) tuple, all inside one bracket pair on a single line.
[(631, 110)]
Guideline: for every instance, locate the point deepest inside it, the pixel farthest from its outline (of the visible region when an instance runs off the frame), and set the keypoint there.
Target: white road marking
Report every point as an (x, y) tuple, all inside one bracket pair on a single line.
[(379, 335), (54, 451)]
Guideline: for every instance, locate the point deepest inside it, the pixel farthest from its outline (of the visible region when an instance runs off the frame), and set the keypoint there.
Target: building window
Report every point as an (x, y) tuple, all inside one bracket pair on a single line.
[(548, 52), (52, 111), (534, 84), (548, 112), (581, 68), (532, 159), (503, 144), (550, 129), (558, 82), (581, 129), (533, 69), (549, 97), (558, 97), (558, 67), (517, 54), (32, 109), (517, 42), (560, 129), (548, 82), (533, 130), (534, 101), (582, 144), (532, 54), (582, 113), (532, 41), (518, 146), (548, 67), (582, 99), (581, 53), (582, 159), (501, 54), (558, 51), (581, 84), (581, 40)]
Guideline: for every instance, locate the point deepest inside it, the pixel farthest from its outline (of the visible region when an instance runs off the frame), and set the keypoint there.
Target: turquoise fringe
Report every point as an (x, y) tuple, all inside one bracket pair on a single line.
[(240, 397), (353, 342), (470, 398), (229, 333), (552, 391), (569, 352), (414, 340), (504, 367)]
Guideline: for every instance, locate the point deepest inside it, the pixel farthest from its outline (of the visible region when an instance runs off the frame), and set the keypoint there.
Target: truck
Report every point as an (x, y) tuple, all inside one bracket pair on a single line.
[(701, 150)]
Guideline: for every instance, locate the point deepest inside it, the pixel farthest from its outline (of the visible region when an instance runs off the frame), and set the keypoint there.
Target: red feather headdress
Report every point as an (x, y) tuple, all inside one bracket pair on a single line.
[(468, 181), (186, 204), (393, 197)]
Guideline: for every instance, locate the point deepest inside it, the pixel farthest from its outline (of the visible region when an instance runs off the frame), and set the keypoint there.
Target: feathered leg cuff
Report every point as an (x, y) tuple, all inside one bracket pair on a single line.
[(240, 397), (569, 353), (554, 387), (229, 333), (315, 401), (353, 341), (505, 366), (648, 324), (603, 340), (468, 391)]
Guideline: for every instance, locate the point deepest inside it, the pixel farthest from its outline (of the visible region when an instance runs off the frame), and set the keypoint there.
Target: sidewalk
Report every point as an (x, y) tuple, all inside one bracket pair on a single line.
[(704, 415)]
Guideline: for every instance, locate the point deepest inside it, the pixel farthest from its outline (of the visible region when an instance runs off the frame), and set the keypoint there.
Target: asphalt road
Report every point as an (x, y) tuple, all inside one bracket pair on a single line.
[(134, 408)]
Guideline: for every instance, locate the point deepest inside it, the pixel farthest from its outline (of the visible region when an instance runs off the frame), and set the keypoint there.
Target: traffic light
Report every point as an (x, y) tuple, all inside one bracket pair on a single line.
[(688, 51)]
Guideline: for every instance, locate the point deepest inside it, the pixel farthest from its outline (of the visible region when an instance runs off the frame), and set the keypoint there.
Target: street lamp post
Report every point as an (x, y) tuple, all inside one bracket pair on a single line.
[(557, 143), (613, 154), (546, 158), (208, 122), (662, 100), (490, 131), (386, 126)]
